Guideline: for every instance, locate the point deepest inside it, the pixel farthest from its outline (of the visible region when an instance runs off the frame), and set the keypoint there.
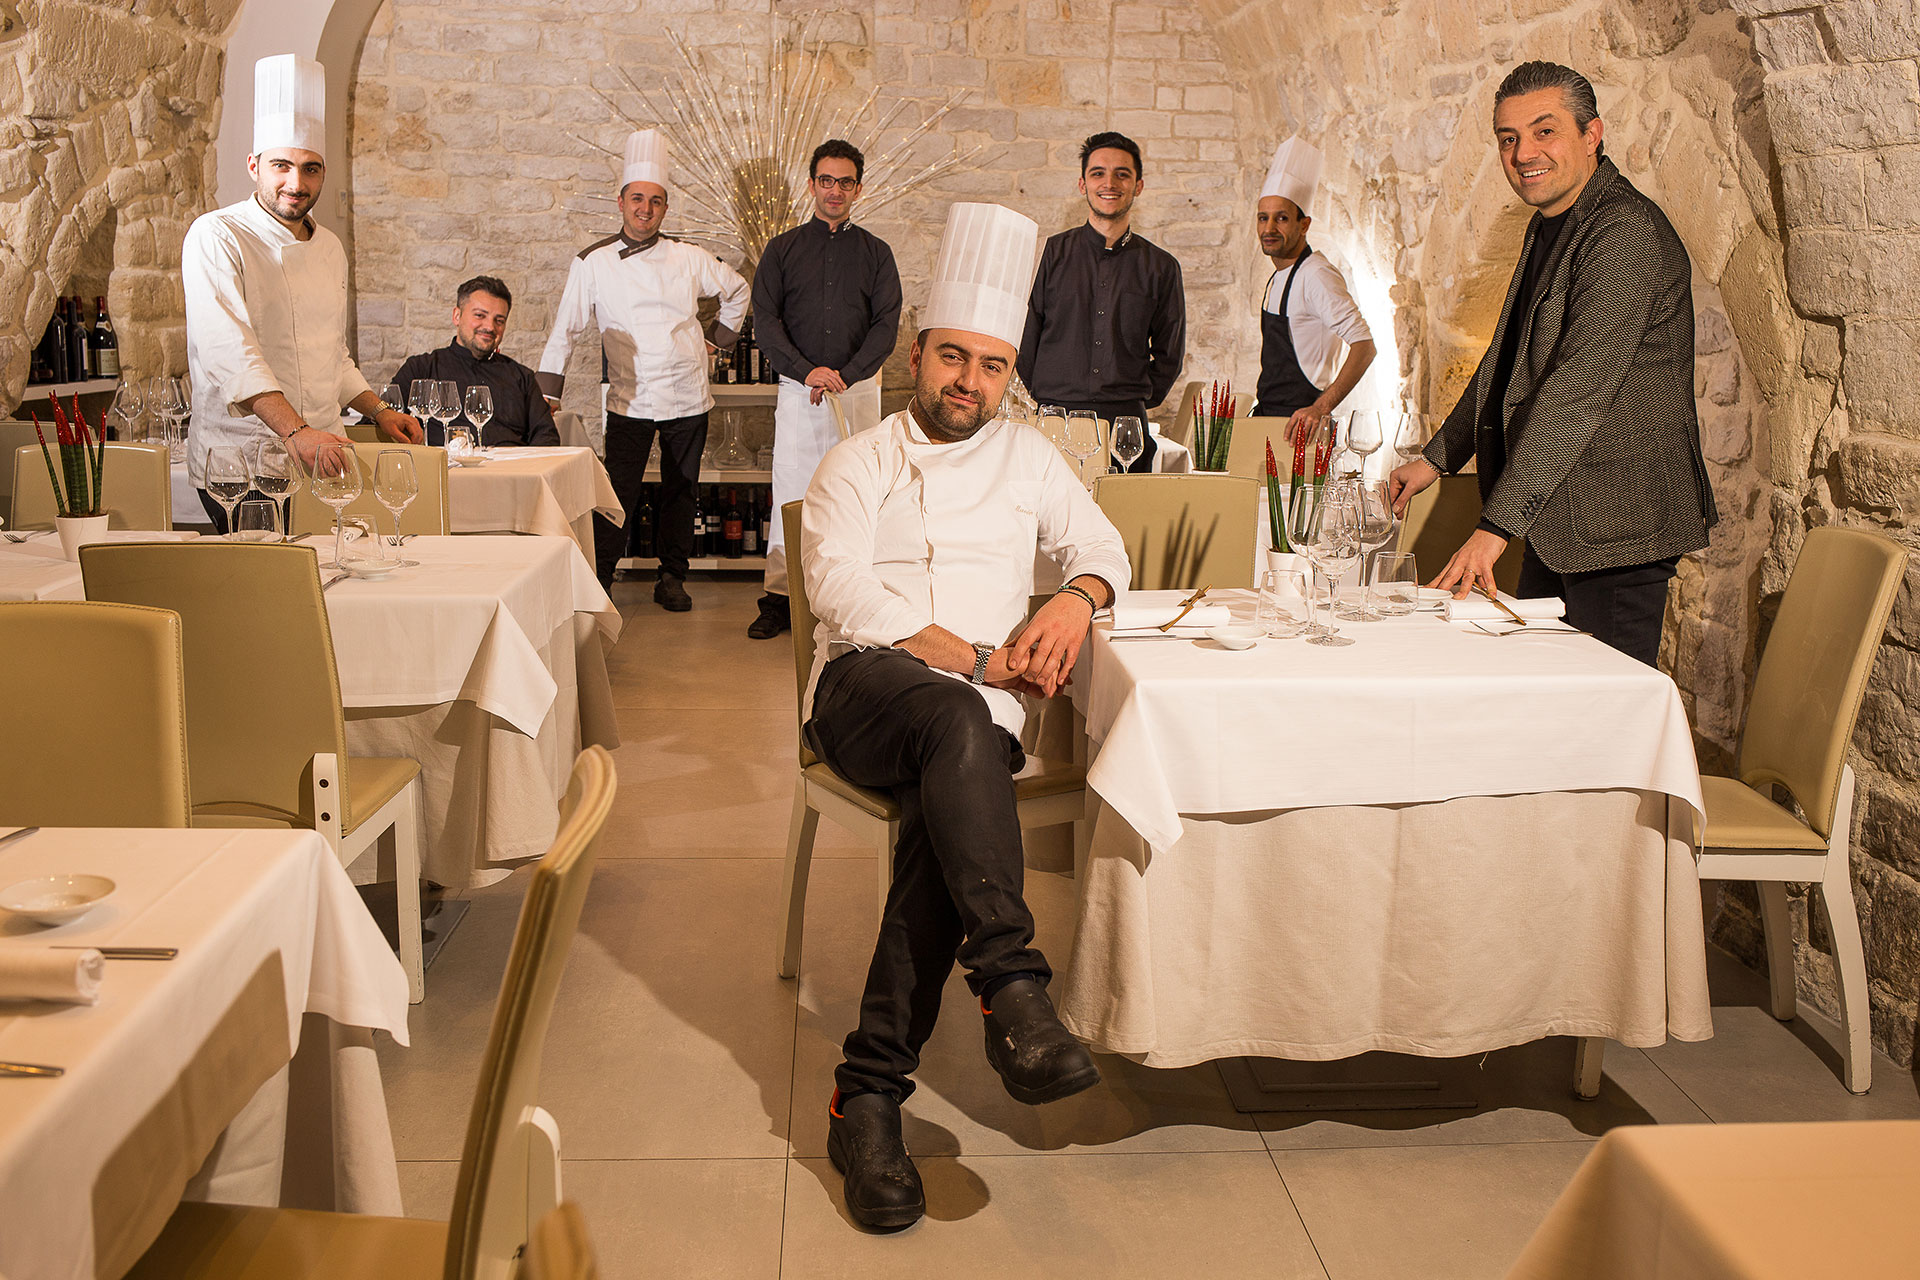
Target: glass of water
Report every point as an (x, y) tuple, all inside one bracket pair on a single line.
[(1284, 608), (1396, 584)]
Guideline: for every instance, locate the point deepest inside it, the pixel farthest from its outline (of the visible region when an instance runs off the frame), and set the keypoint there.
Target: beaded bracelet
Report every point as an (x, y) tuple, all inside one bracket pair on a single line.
[(1083, 593)]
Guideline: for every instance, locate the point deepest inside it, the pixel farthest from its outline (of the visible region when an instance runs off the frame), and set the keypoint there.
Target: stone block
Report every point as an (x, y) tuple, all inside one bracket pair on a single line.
[(1881, 474), (1032, 83), (1892, 187), (1874, 30), (1795, 421), (1072, 39), (1788, 40), (1826, 191), (1828, 274), (1753, 287), (1143, 124), (1843, 108), (1139, 17), (1820, 352), (1878, 373), (1215, 98), (1199, 126), (490, 37)]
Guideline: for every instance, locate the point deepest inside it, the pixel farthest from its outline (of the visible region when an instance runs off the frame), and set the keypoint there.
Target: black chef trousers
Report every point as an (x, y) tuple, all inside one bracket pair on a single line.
[(629, 442)]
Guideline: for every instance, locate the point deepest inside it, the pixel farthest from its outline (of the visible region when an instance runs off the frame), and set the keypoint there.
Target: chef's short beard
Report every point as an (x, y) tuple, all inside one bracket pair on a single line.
[(946, 421)]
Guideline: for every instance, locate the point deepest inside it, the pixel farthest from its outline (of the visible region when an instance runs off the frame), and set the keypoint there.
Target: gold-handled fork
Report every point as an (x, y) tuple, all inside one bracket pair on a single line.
[(1186, 607)]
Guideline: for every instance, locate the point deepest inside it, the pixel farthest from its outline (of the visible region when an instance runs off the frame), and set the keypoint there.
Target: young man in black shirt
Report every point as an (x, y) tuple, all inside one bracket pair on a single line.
[(473, 359)]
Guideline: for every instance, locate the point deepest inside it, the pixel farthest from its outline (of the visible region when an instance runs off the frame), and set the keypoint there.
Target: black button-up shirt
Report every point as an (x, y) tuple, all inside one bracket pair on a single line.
[(825, 298), (1104, 325), (520, 412)]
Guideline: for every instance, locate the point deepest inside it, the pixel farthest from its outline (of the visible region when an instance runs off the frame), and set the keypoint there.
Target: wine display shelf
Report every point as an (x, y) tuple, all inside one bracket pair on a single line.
[(91, 387), (738, 393), (719, 475), (704, 564)]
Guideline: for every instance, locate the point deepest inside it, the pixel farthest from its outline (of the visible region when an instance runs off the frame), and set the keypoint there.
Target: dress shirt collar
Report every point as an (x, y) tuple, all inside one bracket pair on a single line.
[(1098, 238), (460, 348), (826, 228), (629, 246), (257, 213)]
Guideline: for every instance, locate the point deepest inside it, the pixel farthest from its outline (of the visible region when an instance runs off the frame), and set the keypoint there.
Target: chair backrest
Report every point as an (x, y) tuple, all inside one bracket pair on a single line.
[(95, 698), (264, 692), (489, 1221), (1813, 675), (799, 613), (559, 1248), (1440, 518), (135, 479), (1185, 531), (573, 431), (1247, 448), (14, 433), (362, 432), (427, 513), (1181, 428)]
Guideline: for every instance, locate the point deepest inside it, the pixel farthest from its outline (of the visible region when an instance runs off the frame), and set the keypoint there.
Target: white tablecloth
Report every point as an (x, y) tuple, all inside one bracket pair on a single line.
[(533, 490), (36, 569), (269, 931), (187, 509)]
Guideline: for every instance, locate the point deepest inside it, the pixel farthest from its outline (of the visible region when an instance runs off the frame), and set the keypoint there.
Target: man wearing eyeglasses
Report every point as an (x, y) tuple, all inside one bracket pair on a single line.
[(473, 359), (826, 311)]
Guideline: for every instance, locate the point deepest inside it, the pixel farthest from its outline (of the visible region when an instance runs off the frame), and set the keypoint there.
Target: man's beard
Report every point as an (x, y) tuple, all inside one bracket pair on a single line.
[(944, 419)]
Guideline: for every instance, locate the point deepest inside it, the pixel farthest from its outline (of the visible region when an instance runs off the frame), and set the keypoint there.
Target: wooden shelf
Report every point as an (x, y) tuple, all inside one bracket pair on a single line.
[(91, 387), (739, 393), (705, 564), (718, 475)]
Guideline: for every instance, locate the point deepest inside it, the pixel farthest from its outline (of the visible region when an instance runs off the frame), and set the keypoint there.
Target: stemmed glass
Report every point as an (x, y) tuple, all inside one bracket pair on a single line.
[(1129, 441), (275, 473), (129, 401), (421, 394), (479, 405), (1082, 439), (1052, 421), (1377, 528), (228, 478), (336, 482), (1411, 433), (1328, 536), (447, 409), (1365, 434), (167, 397), (395, 486)]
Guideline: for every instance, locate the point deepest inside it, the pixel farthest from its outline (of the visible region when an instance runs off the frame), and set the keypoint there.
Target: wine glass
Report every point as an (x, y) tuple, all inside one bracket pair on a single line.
[(256, 520), (1082, 438), (1332, 545), (479, 405), (275, 473), (336, 482), (1376, 529), (1365, 434), (129, 402), (1129, 441), (1284, 609), (1052, 421), (1396, 584), (395, 485), (167, 399), (1411, 433), (228, 478), (421, 393)]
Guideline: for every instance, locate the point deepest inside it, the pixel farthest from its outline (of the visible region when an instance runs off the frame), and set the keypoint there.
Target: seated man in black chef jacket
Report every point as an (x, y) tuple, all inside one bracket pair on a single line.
[(473, 359)]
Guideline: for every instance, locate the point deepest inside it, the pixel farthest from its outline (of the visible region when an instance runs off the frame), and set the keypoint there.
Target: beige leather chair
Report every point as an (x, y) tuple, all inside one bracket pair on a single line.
[(135, 479), (427, 513), (1047, 792), (1440, 518), (573, 431), (1181, 428), (267, 735), (362, 433), (95, 698), (15, 433), (560, 1248), (509, 1169), (1247, 449), (1799, 721), (1185, 531)]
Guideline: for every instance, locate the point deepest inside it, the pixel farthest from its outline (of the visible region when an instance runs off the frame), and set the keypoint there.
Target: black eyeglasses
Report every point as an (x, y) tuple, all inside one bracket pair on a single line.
[(845, 184)]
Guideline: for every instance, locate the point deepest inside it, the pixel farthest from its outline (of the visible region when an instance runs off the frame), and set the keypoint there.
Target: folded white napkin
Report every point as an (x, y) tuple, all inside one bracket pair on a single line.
[(1478, 608), (43, 973), (1133, 617)]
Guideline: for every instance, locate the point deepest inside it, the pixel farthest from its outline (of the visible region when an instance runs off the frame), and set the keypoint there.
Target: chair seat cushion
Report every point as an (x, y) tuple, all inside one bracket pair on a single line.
[(217, 1241), (1040, 778), (1738, 817), (371, 782)]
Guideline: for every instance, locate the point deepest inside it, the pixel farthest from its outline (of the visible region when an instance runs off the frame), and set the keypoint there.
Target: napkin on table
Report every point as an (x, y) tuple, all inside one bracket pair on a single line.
[(1134, 617), (1478, 608), (44, 973)]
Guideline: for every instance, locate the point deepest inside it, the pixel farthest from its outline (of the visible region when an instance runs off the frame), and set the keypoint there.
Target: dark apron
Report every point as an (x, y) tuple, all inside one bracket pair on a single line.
[(1284, 386)]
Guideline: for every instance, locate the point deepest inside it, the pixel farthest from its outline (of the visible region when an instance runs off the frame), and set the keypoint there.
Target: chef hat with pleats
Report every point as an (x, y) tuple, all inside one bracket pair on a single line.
[(647, 158), (289, 104), (983, 272), (1295, 172)]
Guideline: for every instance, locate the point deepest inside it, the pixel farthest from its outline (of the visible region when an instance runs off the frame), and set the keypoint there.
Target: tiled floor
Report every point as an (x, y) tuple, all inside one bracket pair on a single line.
[(689, 1082)]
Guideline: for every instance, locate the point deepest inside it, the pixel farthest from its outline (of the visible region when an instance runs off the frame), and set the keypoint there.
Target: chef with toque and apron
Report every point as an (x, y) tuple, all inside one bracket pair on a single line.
[(266, 296), (1307, 315)]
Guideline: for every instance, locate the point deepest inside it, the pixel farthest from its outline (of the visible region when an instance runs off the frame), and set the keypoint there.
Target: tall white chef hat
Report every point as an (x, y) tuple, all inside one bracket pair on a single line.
[(289, 104), (984, 272), (1295, 172), (647, 157)]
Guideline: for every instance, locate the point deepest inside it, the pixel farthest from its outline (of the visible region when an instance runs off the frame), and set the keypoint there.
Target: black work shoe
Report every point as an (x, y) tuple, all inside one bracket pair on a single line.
[(774, 618), (863, 1141), (671, 594), (1037, 1058)]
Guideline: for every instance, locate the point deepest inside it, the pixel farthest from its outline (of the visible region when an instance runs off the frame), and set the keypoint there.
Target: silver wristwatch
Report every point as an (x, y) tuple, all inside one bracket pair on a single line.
[(982, 653)]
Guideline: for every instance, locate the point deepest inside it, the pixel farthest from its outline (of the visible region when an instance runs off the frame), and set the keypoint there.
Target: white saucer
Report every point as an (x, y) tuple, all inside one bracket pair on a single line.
[(56, 899), (370, 570), (1241, 635)]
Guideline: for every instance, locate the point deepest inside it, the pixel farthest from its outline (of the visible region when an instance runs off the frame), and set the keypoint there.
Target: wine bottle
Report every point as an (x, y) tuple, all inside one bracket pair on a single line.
[(57, 338), (41, 369), (732, 532), (105, 344), (750, 542), (714, 539), (766, 516), (78, 369), (699, 526)]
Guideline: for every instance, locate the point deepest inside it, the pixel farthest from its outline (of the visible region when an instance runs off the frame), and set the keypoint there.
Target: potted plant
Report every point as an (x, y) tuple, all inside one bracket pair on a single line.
[(1280, 554), (82, 515), (1213, 428)]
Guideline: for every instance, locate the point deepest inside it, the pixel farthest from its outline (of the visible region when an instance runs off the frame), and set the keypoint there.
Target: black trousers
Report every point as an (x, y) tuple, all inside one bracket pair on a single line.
[(883, 720), (629, 442), (1624, 607), (217, 514)]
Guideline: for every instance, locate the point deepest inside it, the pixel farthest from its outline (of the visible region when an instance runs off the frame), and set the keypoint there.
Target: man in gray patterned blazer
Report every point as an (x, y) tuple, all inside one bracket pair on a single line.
[(1581, 413)]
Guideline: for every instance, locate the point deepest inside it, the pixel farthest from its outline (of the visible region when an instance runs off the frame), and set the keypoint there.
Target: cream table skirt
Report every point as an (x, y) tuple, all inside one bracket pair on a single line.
[(1438, 929)]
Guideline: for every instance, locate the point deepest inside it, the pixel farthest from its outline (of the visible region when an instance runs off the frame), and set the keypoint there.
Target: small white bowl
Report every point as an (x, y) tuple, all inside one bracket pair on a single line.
[(370, 570), (56, 899), (1241, 635)]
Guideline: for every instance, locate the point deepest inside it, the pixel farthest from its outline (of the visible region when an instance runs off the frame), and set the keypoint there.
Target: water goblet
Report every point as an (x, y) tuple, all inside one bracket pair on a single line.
[(336, 482), (395, 486), (275, 473), (228, 477), (1082, 439), (1283, 609), (448, 399), (129, 403), (1129, 441), (479, 406), (1333, 547)]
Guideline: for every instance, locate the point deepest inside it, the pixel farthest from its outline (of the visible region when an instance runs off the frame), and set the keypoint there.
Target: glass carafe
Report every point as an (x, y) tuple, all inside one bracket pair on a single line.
[(733, 454)]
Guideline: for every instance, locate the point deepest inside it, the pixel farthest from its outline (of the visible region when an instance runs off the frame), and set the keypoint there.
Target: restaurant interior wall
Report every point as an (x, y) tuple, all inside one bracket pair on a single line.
[(1783, 138)]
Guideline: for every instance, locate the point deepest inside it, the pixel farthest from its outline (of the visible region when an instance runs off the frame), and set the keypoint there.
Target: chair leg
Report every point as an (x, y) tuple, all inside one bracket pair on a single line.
[(884, 855), (1776, 921), (1587, 1054), (544, 1192), (1849, 957), (793, 881), (406, 890)]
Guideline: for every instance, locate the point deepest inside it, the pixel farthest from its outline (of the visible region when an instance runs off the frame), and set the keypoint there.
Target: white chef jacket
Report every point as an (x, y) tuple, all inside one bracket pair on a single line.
[(900, 533), (646, 304), (1322, 315), (266, 311)]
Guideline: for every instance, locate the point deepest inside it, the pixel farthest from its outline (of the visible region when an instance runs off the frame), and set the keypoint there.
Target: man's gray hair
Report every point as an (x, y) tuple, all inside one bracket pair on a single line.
[(1531, 77)]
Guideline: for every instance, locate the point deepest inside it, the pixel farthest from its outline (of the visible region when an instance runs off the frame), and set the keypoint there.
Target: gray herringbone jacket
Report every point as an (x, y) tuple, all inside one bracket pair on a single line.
[(1603, 465)]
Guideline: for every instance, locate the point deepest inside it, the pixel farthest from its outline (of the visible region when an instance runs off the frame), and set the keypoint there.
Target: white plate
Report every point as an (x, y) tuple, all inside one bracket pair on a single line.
[(1240, 635), (370, 570), (56, 899)]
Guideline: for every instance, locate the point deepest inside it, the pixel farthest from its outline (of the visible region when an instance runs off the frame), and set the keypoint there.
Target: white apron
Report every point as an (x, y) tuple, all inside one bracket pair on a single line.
[(802, 434)]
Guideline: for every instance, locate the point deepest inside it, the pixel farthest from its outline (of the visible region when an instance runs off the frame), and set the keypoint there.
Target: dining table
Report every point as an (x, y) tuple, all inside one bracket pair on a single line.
[(241, 1070), (1440, 839), (35, 568)]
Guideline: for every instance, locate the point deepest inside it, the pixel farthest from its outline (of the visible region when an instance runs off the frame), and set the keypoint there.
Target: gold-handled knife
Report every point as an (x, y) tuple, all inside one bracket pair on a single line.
[(122, 953), (1186, 607), (1500, 604), (30, 1069)]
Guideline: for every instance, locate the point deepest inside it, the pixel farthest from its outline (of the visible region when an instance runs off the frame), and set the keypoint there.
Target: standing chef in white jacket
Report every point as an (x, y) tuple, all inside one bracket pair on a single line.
[(642, 290), (917, 546), (266, 295)]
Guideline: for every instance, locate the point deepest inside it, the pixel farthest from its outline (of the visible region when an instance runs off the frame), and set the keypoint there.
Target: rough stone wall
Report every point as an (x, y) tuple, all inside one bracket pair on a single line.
[(463, 160), (106, 112), (1843, 105)]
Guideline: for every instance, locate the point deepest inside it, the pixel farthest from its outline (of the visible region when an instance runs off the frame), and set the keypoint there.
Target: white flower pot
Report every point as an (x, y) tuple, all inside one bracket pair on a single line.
[(77, 531), (1287, 562)]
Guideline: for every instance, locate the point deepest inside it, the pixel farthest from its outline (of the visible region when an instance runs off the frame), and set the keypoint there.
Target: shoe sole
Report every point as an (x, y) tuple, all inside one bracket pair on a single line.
[(880, 1219), (1065, 1087)]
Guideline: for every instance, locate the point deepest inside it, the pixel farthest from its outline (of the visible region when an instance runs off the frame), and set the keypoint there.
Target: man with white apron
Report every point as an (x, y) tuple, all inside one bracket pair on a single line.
[(826, 310), (266, 296), (1309, 316)]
